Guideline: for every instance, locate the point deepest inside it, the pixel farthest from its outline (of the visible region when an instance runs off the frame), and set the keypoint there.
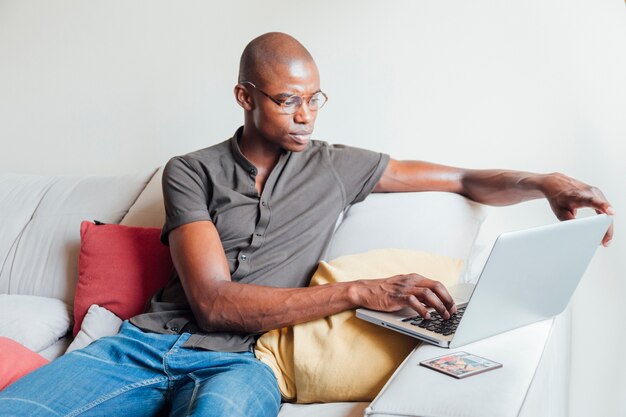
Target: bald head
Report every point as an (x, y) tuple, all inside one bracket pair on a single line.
[(264, 56)]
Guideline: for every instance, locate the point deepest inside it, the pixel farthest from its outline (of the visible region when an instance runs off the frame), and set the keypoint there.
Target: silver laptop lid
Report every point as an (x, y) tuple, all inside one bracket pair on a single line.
[(530, 276)]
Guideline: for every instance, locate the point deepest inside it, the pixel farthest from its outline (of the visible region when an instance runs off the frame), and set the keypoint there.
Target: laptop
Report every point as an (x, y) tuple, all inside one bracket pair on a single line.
[(530, 276)]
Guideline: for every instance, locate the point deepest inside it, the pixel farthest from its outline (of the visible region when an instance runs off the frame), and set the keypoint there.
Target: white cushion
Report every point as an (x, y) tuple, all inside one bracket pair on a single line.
[(434, 222), (418, 391), (98, 322), (57, 349), (35, 322)]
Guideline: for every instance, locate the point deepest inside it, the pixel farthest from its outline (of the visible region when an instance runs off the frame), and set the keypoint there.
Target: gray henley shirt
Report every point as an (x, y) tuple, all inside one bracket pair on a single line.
[(274, 239)]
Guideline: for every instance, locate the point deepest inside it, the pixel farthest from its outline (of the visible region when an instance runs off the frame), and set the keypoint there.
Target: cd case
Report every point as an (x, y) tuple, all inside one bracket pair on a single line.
[(460, 364)]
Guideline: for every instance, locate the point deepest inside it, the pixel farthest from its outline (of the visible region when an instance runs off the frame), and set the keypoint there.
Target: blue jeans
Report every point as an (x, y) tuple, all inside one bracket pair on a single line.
[(141, 374)]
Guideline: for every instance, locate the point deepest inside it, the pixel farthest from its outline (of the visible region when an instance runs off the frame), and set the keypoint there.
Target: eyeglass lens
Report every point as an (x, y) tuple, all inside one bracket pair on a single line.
[(315, 102)]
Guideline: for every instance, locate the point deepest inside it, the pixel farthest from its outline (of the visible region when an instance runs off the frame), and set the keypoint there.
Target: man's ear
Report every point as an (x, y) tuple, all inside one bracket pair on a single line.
[(243, 98)]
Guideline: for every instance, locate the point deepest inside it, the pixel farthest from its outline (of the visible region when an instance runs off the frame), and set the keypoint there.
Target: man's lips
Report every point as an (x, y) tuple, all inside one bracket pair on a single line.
[(301, 136)]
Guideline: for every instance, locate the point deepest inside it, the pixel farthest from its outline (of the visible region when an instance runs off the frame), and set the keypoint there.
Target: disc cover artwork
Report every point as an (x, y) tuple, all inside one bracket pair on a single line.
[(460, 364)]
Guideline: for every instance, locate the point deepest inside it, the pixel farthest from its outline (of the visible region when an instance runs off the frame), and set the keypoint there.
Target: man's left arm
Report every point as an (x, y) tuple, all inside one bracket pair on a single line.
[(497, 187)]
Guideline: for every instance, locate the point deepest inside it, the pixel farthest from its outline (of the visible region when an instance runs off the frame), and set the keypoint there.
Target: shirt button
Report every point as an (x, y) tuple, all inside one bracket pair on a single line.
[(263, 203), (244, 257), (253, 171), (258, 234)]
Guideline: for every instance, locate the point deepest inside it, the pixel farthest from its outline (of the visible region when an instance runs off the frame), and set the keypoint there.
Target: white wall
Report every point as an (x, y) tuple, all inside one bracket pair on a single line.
[(103, 87)]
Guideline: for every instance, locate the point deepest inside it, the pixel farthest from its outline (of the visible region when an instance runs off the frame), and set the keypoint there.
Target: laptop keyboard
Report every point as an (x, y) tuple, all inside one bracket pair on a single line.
[(436, 323)]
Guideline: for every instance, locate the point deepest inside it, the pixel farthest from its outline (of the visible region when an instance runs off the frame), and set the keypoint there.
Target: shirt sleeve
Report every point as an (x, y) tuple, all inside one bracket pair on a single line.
[(185, 195), (358, 170)]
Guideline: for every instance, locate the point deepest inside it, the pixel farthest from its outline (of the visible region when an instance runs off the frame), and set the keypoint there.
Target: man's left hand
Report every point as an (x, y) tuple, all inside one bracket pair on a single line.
[(566, 195)]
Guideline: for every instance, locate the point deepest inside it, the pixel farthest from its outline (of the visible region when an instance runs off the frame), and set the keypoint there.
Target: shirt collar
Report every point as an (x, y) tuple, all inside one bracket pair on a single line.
[(239, 157)]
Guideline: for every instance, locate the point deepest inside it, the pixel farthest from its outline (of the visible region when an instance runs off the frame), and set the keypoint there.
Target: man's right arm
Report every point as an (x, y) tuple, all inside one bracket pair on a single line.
[(218, 303)]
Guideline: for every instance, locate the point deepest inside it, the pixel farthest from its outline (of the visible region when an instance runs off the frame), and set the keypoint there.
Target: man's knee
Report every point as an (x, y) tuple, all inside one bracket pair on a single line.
[(246, 388)]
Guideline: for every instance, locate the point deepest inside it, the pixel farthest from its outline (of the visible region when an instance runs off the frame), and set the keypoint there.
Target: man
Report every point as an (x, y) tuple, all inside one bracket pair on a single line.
[(247, 221)]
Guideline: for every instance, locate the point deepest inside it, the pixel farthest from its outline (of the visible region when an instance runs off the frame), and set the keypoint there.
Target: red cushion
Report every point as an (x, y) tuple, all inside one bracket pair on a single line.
[(16, 361), (119, 268)]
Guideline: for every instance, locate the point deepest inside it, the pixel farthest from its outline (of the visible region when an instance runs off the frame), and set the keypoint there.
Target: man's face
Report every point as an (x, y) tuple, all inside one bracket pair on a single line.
[(290, 132)]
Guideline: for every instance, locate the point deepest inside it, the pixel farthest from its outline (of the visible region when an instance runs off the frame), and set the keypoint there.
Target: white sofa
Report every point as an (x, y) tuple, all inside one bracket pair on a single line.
[(39, 243)]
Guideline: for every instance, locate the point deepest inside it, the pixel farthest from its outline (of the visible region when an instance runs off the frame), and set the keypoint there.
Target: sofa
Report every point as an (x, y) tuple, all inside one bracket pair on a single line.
[(40, 218)]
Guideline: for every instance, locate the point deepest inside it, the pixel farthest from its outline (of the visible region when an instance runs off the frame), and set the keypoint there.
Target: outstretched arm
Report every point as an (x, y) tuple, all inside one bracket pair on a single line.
[(497, 187)]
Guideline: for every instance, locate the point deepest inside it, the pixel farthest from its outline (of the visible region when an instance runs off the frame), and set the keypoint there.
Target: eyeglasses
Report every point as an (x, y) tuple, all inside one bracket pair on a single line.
[(292, 103)]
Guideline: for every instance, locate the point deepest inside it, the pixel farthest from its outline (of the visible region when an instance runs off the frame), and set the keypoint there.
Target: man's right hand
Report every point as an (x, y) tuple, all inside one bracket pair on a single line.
[(399, 291)]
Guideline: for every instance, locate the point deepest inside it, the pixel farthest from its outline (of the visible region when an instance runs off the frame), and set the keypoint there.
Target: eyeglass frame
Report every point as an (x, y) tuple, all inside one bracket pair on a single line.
[(282, 103)]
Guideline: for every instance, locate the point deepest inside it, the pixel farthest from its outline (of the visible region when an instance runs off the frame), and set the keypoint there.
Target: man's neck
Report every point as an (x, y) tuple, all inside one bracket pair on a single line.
[(257, 151), (262, 156)]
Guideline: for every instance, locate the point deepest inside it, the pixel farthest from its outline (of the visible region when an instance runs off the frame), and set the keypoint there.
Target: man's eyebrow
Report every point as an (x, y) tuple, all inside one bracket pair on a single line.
[(284, 96), (287, 95)]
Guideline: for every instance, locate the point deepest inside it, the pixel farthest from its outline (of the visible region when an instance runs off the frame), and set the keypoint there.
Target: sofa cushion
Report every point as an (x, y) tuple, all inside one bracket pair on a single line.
[(120, 267), (16, 361), (99, 322), (352, 409), (58, 349), (19, 197), (35, 322), (148, 210), (342, 358), (39, 223)]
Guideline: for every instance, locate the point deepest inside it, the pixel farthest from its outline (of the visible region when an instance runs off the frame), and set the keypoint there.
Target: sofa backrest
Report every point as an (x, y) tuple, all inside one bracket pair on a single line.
[(148, 209), (436, 222), (40, 220), (442, 223)]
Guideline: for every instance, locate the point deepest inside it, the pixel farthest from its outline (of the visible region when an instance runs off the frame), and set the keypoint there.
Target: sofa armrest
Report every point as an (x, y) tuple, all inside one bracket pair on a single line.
[(414, 390)]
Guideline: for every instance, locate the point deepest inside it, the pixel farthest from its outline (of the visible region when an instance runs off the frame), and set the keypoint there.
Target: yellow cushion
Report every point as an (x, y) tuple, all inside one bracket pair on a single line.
[(340, 357)]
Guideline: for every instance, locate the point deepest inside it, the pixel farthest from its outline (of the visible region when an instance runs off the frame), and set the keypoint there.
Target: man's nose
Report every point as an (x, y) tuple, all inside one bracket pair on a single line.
[(304, 115)]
